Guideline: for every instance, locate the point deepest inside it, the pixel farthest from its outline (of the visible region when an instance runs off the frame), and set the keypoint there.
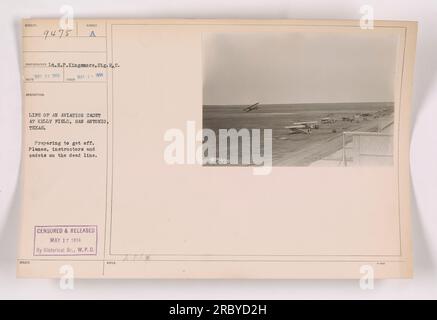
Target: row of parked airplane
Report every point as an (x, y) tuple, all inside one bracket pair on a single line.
[(307, 126)]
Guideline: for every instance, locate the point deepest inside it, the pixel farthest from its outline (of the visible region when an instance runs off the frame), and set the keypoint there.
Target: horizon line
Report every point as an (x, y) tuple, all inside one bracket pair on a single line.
[(267, 104)]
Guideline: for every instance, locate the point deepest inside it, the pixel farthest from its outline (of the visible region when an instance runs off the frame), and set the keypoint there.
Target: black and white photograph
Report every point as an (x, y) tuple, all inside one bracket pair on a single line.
[(328, 98)]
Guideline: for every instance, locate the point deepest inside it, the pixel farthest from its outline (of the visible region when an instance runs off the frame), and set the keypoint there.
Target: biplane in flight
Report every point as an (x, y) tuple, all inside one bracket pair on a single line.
[(252, 107)]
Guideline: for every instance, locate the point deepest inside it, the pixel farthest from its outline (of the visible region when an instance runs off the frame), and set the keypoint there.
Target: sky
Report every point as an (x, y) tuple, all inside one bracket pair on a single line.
[(310, 67)]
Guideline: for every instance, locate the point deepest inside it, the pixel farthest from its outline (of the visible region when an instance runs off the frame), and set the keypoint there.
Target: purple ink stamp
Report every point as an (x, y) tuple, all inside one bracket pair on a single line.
[(65, 240)]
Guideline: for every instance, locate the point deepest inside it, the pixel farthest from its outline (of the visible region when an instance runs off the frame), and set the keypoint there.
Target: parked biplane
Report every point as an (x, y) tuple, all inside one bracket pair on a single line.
[(303, 127), (299, 129), (327, 120)]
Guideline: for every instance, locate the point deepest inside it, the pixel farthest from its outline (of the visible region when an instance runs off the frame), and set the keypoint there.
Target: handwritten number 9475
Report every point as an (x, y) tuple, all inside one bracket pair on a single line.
[(61, 33)]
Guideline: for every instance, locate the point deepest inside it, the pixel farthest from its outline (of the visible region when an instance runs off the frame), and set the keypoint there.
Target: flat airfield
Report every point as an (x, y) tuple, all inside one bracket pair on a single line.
[(301, 149)]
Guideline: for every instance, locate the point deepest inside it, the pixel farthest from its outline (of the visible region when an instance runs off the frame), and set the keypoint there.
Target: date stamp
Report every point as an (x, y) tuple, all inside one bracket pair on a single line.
[(65, 240)]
